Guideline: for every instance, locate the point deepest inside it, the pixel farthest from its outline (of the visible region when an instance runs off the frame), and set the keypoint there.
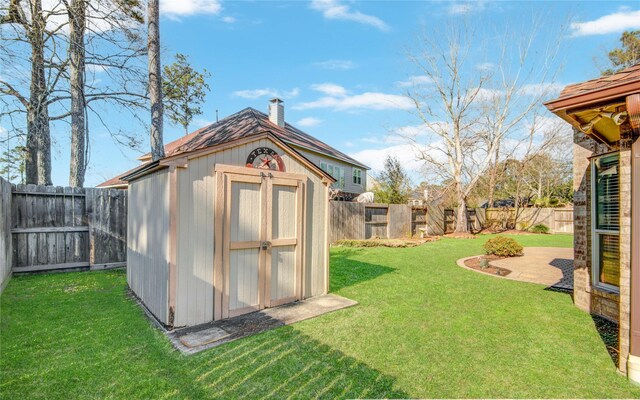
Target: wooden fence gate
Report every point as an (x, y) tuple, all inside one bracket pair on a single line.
[(64, 228)]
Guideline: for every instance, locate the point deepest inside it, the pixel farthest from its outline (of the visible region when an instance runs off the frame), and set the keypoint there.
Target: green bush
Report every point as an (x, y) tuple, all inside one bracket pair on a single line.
[(539, 228), (502, 246)]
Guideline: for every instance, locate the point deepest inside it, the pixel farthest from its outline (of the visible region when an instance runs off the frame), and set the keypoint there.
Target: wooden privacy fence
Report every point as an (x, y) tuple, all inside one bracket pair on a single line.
[(5, 233), (559, 220), (365, 221), (62, 228)]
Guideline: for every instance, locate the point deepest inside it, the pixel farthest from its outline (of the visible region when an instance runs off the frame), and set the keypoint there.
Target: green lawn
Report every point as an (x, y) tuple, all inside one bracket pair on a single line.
[(424, 328)]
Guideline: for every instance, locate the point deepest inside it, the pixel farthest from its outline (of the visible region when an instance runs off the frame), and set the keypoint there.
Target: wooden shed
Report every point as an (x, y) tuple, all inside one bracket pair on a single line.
[(232, 220)]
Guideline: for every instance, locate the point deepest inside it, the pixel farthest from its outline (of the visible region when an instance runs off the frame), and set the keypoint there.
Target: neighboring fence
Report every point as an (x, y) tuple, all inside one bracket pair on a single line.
[(559, 220), (364, 221), (64, 228), (5, 233)]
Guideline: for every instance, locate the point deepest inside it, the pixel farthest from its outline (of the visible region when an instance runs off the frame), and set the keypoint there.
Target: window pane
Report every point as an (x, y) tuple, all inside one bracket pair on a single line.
[(607, 193), (610, 260)]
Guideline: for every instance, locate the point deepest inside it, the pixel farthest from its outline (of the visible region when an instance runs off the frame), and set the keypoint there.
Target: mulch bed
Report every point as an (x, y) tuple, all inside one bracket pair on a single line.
[(395, 243), (475, 263), (462, 235), (608, 331), (506, 232)]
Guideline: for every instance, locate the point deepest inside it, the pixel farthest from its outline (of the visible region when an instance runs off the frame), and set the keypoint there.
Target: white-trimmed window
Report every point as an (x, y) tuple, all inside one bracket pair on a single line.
[(605, 221), (336, 172), (357, 176)]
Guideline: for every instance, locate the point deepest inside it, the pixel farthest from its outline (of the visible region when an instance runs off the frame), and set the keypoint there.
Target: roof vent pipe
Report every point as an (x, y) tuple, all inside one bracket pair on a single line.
[(276, 112)]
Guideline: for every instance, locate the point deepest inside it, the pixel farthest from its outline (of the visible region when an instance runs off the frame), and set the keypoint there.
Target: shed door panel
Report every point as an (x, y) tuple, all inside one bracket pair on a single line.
[(284, 259), (245, 231)]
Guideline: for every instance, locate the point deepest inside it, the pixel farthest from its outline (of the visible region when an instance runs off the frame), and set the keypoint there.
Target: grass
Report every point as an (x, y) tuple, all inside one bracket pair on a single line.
[(424, 328)]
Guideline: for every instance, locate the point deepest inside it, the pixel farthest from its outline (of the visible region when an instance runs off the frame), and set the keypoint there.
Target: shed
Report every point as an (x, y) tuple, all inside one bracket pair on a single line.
[(232, 220)]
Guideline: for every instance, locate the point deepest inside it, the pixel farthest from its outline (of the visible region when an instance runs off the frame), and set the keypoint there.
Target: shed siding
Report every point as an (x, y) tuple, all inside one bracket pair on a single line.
[(195, 255), (349, 186), (147, 238)]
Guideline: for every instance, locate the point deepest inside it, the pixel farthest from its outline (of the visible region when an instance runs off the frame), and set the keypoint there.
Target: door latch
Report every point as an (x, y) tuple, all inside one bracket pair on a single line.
[(265, 245)]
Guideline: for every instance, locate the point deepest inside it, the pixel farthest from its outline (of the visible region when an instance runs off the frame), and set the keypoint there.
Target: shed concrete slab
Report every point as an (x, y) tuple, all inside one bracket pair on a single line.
[(201, 337)]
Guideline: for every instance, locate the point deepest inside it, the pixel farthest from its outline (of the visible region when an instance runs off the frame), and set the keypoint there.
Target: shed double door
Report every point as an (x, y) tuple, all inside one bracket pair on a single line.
[(262, 240)]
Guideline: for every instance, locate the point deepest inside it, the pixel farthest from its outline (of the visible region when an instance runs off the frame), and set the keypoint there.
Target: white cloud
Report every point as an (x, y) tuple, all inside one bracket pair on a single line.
[(466, 7), (336, 64), (334, 9), (486, 66), (415, 80), (338, 98), (330, 89), (613, 23), (228, 20), (309, 121), (374, 158), (175, 9), (369, 100), (258, 93), (96, 69), (541, 89)]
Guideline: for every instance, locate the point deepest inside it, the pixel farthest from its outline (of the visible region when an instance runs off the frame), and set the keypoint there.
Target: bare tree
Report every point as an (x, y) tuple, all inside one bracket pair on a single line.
[(468, 109), (114, 44), (78, 162), (30, 22), (448, 111), (100, 34), (522, 80), (155, 80)]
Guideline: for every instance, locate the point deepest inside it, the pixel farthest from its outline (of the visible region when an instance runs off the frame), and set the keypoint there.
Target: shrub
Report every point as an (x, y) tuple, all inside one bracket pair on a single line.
[(539, 228), (502, 246)]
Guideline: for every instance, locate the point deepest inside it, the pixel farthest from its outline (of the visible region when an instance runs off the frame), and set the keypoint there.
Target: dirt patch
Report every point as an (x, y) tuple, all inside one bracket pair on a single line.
[(481, 264), (385, 242)]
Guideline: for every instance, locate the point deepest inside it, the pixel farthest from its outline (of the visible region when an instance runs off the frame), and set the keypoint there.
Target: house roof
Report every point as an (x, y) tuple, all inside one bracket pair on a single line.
[(246, 123), (580, 104), (243, 124), (597, 90)]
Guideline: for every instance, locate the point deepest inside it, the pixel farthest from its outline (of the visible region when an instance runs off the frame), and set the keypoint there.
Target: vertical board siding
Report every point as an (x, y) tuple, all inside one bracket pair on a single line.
[(399, 221), (283, 208), (283, 271), (57, 227), (107, 219), (196, 205), (6, 252), (349, 220), (148, 239), (558, 220)]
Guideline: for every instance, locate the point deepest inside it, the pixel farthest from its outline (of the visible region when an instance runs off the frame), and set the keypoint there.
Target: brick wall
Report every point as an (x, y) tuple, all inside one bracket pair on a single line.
[(612, 306)]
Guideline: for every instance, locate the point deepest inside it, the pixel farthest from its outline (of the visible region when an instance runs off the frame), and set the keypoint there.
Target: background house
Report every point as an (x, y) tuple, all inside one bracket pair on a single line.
[(350, 175)]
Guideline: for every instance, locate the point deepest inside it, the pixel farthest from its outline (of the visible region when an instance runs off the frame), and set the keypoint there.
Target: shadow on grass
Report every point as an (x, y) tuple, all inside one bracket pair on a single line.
[(345, 271), (286, 363)]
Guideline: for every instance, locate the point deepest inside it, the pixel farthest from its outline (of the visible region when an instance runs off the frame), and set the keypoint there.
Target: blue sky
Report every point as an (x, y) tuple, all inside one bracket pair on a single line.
[(340, 66)]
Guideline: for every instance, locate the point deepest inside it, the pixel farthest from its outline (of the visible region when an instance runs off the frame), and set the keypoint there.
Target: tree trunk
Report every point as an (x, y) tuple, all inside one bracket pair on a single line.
[(77, 162), (38, 157), (155, 80), (462, 222), (493, 172)]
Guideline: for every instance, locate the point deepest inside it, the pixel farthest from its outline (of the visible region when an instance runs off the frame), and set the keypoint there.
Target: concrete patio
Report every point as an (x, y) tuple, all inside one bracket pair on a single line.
[(550, 266), (201, 337)]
